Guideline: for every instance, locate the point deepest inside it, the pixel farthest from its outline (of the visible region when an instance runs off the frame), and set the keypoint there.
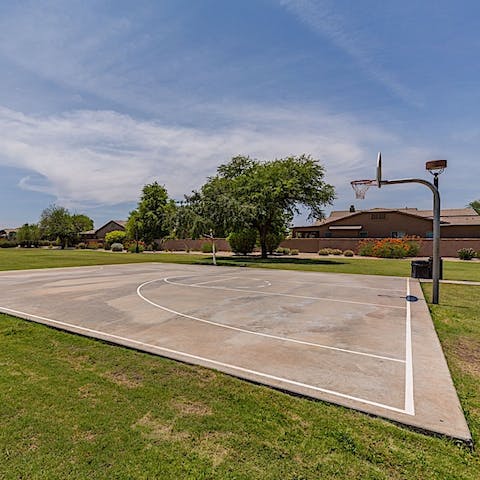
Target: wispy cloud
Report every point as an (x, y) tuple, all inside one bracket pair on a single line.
[(86, 158), (322, 18)]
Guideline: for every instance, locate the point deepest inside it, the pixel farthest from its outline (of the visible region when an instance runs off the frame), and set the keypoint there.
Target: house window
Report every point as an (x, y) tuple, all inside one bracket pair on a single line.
[(398, 234), (378, 216), (429, 235), (363, 234), (328, 234)]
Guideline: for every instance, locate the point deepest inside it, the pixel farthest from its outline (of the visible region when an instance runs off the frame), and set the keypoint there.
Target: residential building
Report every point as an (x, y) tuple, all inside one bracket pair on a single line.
[(396, 223), (98, 235)]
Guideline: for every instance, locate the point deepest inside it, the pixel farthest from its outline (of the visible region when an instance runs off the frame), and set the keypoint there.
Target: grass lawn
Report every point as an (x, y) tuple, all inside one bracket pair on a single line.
[(71, 407), (14, 259)]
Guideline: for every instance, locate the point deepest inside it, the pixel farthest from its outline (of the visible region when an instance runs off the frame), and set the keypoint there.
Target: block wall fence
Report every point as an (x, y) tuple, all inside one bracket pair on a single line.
[(448, 246)]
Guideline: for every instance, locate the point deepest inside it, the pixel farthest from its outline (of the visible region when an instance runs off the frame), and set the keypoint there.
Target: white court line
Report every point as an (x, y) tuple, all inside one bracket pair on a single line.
[(203, 359), (214, 281), (344, 285), (266, 282), (167, 280), (409, 401), (260, 334)]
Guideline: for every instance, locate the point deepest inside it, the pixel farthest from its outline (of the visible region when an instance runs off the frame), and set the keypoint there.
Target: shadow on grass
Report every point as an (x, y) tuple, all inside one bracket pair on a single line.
[(275, 260)]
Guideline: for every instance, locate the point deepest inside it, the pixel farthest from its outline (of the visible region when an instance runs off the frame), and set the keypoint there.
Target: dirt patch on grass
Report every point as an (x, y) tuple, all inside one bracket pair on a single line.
[(189, 407), (77, 362), (211, 446), (156, 429), (298, 420), (124, 379), (467, 351), (88, 392), (201, 376), (83, 436)]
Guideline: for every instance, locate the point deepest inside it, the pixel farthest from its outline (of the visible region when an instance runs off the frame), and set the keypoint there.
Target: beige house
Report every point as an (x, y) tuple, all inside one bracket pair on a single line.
[(396, 223), (98, 235), (8, 233)]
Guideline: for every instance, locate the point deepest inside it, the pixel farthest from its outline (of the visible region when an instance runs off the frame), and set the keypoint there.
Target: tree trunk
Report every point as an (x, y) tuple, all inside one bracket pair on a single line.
[(263, 243)]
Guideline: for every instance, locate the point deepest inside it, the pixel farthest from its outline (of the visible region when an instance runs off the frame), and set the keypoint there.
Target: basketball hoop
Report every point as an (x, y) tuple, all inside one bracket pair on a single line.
[(361, 186)]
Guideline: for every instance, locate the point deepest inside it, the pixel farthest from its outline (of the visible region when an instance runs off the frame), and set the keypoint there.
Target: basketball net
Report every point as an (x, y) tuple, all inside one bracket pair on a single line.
[(361, 186)]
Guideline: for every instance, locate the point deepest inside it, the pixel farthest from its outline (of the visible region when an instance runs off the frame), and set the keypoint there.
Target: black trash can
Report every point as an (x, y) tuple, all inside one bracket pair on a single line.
[(421, 269), (430, 261)]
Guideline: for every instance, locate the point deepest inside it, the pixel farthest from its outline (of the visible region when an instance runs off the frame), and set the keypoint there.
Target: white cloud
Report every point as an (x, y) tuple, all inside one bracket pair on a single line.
[(87, 158)]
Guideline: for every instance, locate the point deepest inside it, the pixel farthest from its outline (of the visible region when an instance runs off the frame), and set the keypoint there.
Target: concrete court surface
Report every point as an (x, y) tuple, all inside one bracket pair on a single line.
[(353, 340)]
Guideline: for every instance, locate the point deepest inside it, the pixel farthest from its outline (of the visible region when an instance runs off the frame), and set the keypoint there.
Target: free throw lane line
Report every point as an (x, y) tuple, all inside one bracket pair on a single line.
[(252, 332), (167, 280), (409, 401)]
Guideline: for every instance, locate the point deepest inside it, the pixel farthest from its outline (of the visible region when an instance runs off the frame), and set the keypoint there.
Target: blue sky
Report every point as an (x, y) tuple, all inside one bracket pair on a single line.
[(98, 98)]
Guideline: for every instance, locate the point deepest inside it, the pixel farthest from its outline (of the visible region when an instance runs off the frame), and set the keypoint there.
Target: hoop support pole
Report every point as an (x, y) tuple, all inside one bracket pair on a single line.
[(436, 231)]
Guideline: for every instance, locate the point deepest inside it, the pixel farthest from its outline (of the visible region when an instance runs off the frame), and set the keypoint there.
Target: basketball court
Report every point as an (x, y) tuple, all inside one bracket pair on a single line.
[(364, 342)]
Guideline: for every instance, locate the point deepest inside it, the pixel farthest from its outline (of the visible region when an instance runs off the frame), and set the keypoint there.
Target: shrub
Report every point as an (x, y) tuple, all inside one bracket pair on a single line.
[(325, 251), (132, 247), (93, 246), (396, 247), (117, 247), (336, 251), (273, 240), (44, 243), (7, 244), (414, 244), (80, 245), (365, 248), (294, 251), (390, 248), (242, 242), (206, 247), (116, 236), (466, 253), (348, 253), (283, 251)]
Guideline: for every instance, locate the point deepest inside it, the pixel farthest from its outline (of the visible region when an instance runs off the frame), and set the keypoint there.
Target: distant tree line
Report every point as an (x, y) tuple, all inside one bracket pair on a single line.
[(248, 201), (57, 225)]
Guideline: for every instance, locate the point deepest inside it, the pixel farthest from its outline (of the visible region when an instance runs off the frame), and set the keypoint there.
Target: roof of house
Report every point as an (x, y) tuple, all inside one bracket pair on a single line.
[(448, 217), (121, 223)]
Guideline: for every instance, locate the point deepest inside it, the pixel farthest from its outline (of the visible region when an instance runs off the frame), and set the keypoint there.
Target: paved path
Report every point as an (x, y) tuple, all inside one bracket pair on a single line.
[(354, 340)]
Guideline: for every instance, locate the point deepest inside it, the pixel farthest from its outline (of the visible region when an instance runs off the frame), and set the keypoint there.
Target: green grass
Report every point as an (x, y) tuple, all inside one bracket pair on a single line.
[(15, 259), (71, 407)]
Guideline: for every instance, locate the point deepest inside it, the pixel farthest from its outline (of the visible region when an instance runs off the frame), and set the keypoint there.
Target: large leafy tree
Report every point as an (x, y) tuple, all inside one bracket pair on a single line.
[(28, 235), (134, 228), (155, 212), (81, 223), (475, 205), (57, 223), (265, 196)]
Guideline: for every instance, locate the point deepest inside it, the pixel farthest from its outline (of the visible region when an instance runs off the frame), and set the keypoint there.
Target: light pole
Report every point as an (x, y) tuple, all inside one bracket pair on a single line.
[(436, 167)]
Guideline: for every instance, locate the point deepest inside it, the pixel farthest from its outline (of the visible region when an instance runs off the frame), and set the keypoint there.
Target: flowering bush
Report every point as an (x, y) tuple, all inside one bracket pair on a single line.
[(365, 248), (390, 247)]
